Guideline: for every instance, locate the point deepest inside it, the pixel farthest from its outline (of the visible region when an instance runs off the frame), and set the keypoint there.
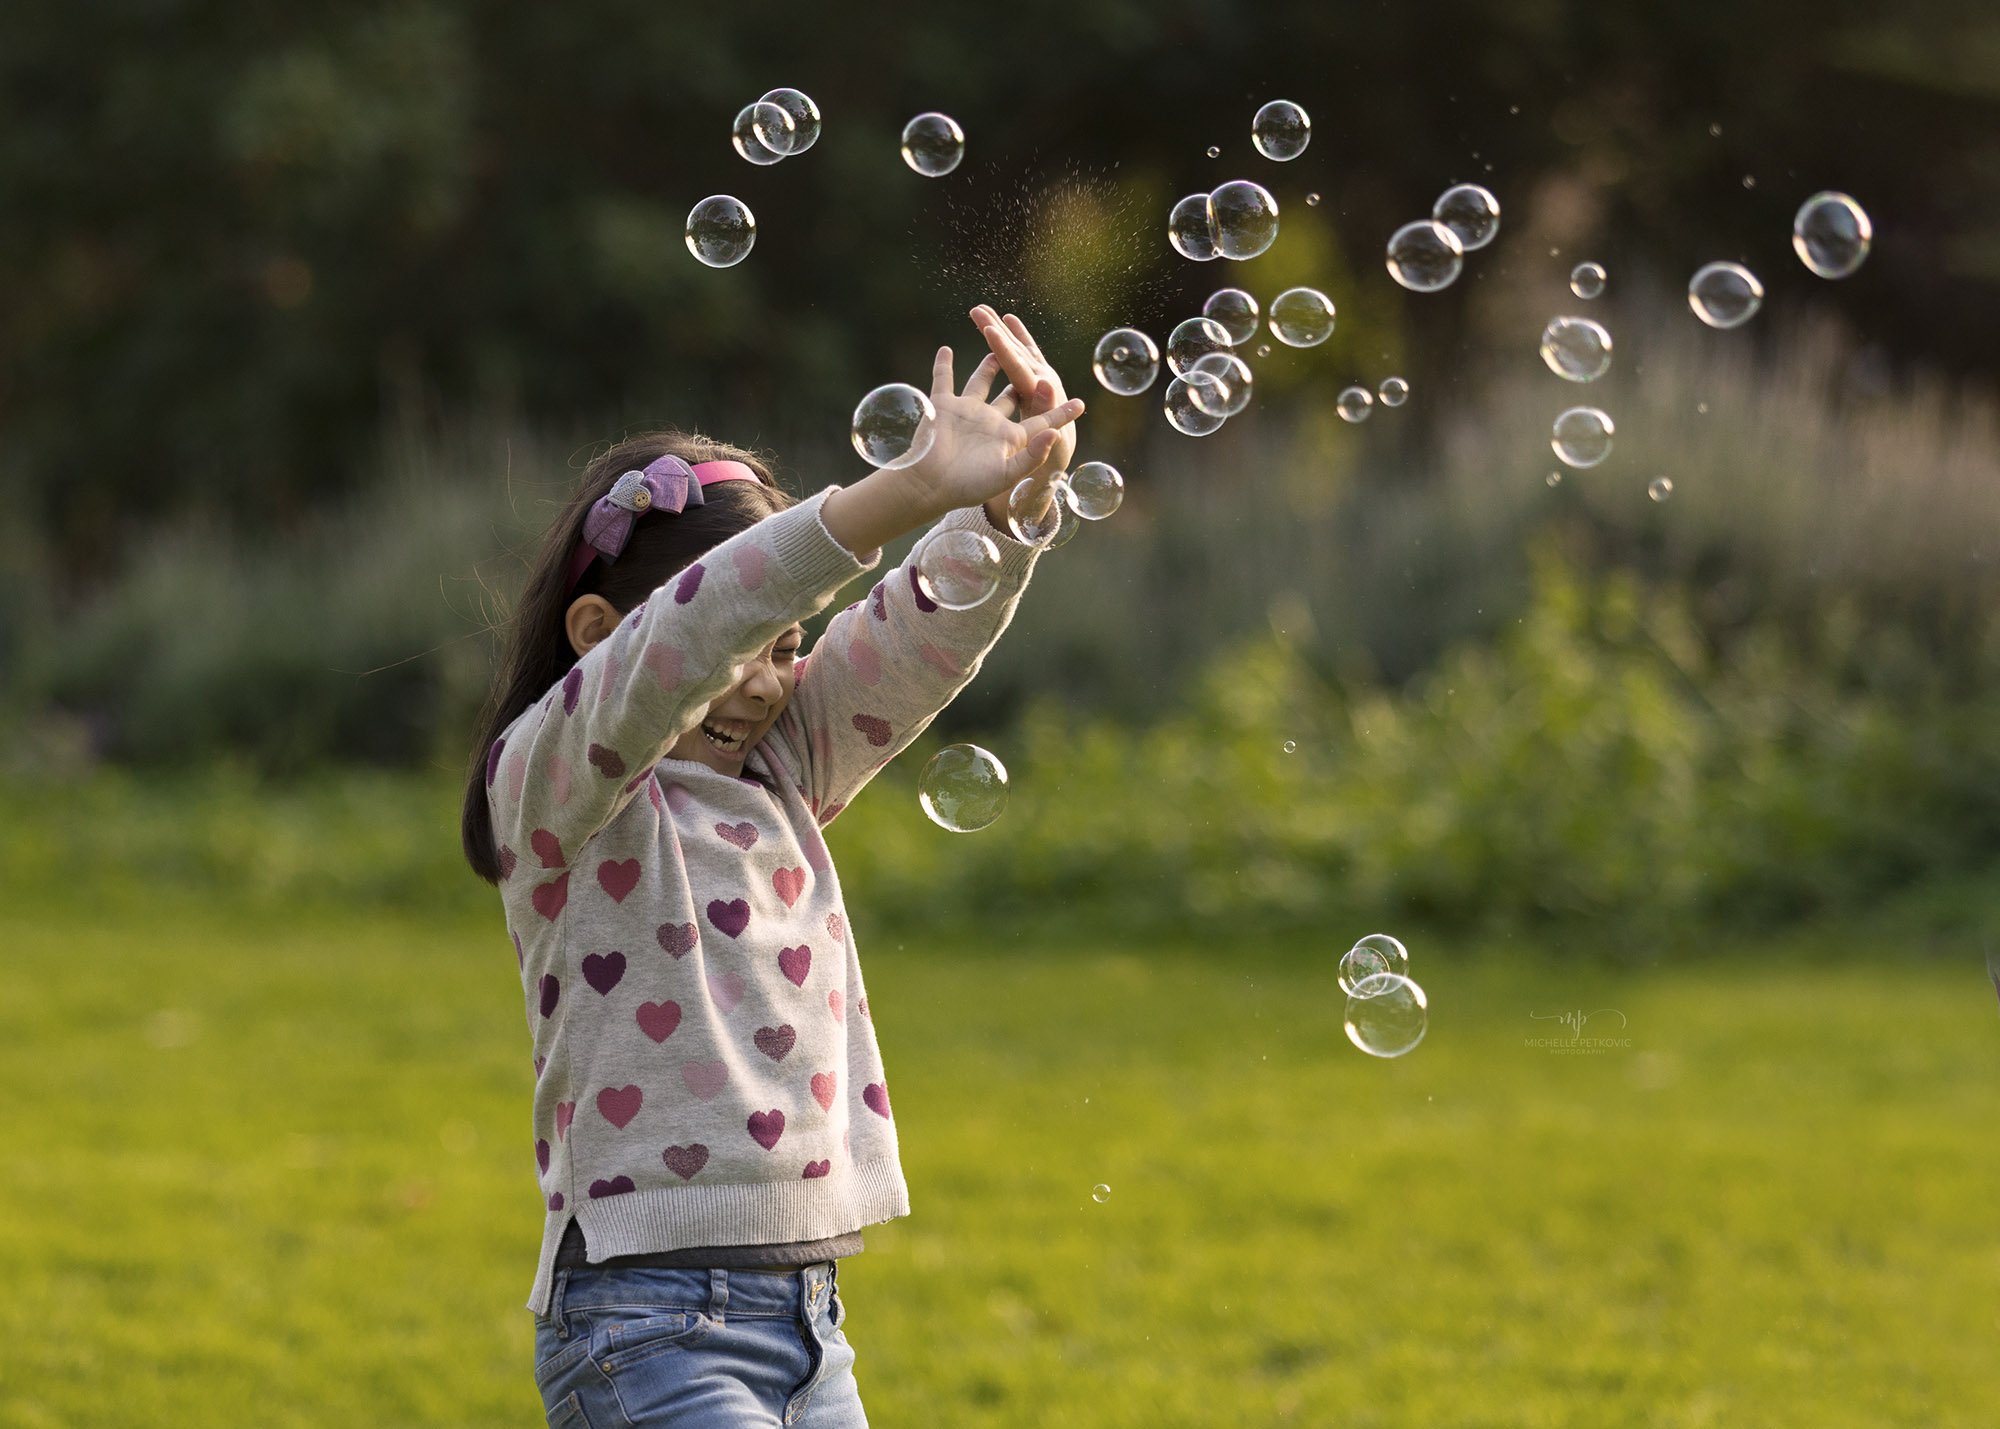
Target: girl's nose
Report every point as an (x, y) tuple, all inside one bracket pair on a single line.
[(763, 682)]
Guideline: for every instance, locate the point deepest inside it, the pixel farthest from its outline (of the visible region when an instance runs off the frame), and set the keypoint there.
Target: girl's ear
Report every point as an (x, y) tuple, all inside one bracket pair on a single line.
[(590, 618)]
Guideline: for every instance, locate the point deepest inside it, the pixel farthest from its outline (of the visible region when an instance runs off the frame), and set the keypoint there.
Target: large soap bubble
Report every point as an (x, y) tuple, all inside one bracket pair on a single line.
[(756, 126), (1425, 256), (894, 426), (1230, 392), (1243, 217), (1281, 130), (1582, 436), (958, 569), (1095, 490), (1194, 339), (1725, 295), (1470, 212), (1387, 1015), (963, 788), (1577, 349), (1301, 317), (1236, 310), (1189, 229), (933, 144), (804, 114), (1126, 361), (721, 230), (1831, 234), (1184, 414)]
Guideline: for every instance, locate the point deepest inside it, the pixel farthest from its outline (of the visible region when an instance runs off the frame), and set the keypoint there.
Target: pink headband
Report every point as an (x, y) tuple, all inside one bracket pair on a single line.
[(668, 484)]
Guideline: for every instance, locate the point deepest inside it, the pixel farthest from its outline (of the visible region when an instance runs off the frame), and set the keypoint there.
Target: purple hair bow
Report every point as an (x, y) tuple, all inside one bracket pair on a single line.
[(668, 484)]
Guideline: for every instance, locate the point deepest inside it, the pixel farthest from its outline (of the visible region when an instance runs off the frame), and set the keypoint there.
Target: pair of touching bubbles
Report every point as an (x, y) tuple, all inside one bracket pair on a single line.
[(1239, 219), (1387, 1013)]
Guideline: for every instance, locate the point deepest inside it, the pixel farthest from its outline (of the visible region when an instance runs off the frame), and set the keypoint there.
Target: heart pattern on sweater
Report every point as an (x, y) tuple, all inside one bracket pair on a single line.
[(704, 1079), (618, 879), (551, 993), (790, 883), (941, 661), (726, 989), (731, 917), (766, 1127), (866, 662), (659, 1019), (572, 689), (604, 971), (836, 928), (824, 1085), (677, 939), (607, 761), (878, 601), (836, 1005), (743, 835), (874, 729), (547, 847), (542, 1155), (565, 1113), (493, 761), (795, 963), (684, 1161), (616, 1186), (618, 1105), (750, 562), (924, 602), (688, 584), (816, 1169), (775, 1042), (507, 859), (877, 1098), (663, 663)]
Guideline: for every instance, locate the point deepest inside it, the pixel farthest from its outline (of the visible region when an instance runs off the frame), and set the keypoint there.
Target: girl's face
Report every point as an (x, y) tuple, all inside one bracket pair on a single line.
[(736, 721)]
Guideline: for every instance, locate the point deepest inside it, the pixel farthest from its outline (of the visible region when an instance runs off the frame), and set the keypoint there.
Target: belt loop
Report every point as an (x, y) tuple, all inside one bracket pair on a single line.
[(718, 1295), (556, 1305)]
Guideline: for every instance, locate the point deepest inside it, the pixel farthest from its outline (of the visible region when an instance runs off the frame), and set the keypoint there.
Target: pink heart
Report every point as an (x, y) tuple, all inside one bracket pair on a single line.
[(616, 1186), (726, 989), (766, 1127), (731, 917), (607, 761), (836, 1005), (517, 774), (867, 662), (561, 776), (684, 1161), (863, 1004), (565, 1113), (941, 661), (659, 1019), (795, 963), (704, 1079), (874, 728), (790, 883), (618, 879), (750, 563), (550, 898), (678, 797), (609, 683), (663, 663), (618, 1105), (547, 847), (825, 1084), (775, 1042), (816, 1169), (677, 939), (604, 971), (836, 927), (815, 848), (689, 583), (507, 860), (877, 1097), (742, 835)]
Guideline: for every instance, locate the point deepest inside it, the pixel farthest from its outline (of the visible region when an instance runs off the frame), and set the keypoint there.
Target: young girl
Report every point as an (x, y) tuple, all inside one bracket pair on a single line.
[(712, 1121)]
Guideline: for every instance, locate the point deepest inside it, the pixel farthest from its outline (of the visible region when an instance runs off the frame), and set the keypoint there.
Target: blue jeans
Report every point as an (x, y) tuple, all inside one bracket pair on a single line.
[(705, 1349)]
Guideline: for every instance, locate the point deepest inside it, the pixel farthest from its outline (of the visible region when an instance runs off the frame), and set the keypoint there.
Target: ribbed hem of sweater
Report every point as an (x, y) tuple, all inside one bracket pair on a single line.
[(644, 1221)]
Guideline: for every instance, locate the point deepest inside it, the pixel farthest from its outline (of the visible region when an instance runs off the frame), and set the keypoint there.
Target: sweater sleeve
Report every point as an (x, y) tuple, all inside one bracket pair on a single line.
[(569, 764), (883, 668)]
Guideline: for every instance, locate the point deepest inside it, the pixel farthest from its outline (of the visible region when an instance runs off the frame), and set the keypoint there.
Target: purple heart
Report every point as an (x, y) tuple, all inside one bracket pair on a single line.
[(556, 1201), (684, 1161), (542, 1155), (795, 963), (766, 1127), (873, 728), (616, 1186), (551, 990), (877, 598), (816, 1169), (689, 583), (924, 602), (604, 971), (572, 687), (731, 917), (877, 1097), (742, 835), (493, 761), (775, 1042), (508, 858), (677, 939), (608, 762)]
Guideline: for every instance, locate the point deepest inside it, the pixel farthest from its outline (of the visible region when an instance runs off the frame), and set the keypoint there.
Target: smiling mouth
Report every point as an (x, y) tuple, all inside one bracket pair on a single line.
[(726, 736)]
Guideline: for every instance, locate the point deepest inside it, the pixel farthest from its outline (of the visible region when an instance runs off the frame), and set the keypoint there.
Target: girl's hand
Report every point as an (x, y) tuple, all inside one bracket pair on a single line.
[(1032, 384), (979, 452)]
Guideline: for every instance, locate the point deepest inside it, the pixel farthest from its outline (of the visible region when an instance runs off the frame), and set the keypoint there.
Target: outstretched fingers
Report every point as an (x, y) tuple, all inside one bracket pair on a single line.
[(941, 383), (980, 383), (1029, 458), (1055, 417), (1025, 338)]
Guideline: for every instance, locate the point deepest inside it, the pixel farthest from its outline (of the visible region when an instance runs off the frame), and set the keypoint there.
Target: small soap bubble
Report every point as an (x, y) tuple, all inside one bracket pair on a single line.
[(1236, 310), (1301, 317), (1701, 409), (1028, 496), (1192, 339), (1182, 412), (1230, 392), (1387, 1015), (1354, 404), (1281, 130), (721, 230), (1554, 478), (1470, 212), (1395, 957), (933, 144), (1095, 490), (1394, 391), (805, 118), (1582, 436), (1725, 295), (1100, 1193), (753, 122), (1425, 256), (958, 569), (1576, 349), (1244, 219), (1214, 151), (1126, 361), (1312, 200), (894, 426), (1263, 349), (1586, 280), (1358, 963), (1749, 181), (1291, 746), (1188, 229), (1660, 488), (1715, 131), (1831, 234), (963, 788)]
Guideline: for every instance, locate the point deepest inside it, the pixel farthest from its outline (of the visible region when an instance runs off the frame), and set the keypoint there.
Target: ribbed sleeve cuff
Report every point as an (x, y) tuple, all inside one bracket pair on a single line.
[(807, 550)]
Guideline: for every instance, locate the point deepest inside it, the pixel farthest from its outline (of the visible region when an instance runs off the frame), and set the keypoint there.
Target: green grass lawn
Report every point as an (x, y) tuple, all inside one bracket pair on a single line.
[(274, 1169)]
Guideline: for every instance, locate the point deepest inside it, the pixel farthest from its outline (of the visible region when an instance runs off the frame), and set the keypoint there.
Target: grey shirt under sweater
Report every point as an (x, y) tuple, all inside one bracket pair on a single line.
[(707, 1074)]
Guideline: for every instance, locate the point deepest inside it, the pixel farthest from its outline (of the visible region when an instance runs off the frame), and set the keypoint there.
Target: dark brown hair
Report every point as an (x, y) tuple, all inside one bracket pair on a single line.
[(538, 652)]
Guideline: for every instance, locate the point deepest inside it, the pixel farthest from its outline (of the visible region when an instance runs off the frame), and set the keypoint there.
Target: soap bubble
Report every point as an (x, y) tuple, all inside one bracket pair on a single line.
[(1096, 489), (1100, 1193), (1394, 391), (1301, 317), (1291, 746), (1236, 310), (1387, 1015), (933, 144), (1263, 349), (1192, 339), (721, 230), (1725, 295), (1582, 436), (958, 569), (894, 426), (1470, 212), (1230, 392), (963, 788), (1577, 349), (1126, 361), (1425, 256), (805, 120), (1358, 963), (1831, 234), (1660, 488), (1586, 280), (1395, 957), (1554, 478), (1028, 494), (1243, 217), (753, 123), (1281, 130), (1214, 151), (1189, 230), (1312, 200), (1354, 404), (1182, 412)]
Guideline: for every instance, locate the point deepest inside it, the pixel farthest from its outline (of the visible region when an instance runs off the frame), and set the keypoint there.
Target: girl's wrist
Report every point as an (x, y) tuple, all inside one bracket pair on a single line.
[(876, 510)]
